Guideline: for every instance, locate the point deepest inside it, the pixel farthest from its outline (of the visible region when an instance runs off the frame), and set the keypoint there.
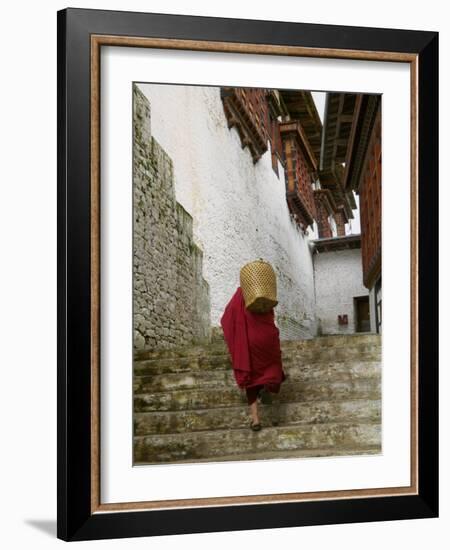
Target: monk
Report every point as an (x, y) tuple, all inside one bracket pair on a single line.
[(253, 341)]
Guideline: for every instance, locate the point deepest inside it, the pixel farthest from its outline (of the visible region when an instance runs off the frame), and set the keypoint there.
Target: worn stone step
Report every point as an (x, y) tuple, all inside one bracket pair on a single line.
[(185, 351), (296, 453), (223, 361), (181, 364), (326, 353), (338, 341), (224, 378), (319, 412), (334, 341), (363, 388), (194, 445)]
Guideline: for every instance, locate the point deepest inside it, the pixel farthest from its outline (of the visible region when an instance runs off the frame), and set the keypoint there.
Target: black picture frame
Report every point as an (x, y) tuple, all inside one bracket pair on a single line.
[(76, 520)]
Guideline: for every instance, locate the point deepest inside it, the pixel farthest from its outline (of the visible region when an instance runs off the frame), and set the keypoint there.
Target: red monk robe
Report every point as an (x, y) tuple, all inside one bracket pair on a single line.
[(253, 340)]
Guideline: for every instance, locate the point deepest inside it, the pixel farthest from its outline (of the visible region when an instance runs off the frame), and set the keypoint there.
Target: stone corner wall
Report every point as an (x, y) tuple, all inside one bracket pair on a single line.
[(170, 296)]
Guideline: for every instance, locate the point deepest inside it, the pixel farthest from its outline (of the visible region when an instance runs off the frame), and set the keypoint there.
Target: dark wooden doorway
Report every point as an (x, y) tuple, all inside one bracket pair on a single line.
[(362, 314)]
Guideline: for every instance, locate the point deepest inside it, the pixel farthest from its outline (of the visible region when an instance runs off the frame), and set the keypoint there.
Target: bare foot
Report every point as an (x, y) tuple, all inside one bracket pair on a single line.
[(254, 414)]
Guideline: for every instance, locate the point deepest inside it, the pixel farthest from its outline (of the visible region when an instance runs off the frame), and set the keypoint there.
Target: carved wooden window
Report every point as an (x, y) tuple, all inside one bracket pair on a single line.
[(324, 207), (247, 110), (299, 169)]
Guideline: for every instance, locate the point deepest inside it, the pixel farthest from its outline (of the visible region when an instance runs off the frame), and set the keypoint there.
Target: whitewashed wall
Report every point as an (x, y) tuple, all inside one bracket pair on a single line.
[(338, 279), (239, 208)]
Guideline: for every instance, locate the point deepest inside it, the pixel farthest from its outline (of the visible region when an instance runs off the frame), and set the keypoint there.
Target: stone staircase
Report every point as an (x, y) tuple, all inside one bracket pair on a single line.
[(188, 408)]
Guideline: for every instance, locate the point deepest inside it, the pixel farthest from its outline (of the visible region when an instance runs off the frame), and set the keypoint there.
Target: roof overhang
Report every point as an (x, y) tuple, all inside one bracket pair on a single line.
[(333, 244)]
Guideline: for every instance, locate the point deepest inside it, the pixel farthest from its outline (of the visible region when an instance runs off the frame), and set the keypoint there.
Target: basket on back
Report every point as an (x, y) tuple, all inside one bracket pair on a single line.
[(259, 286)]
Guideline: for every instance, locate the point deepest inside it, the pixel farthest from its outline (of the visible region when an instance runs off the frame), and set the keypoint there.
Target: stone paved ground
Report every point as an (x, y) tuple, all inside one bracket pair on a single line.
[(187, 407)]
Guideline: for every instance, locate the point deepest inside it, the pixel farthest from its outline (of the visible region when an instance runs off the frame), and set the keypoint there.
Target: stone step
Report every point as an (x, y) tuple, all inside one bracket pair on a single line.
[(341, 353), (298, 391), (317, 412), (296, 453), (217, 348), (208, 444), (223, 361), (222, 378), (181, 364), (334, 341)]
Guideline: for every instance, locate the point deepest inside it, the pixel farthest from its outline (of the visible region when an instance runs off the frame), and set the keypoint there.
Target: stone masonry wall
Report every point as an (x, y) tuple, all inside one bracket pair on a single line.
[(170, 296)]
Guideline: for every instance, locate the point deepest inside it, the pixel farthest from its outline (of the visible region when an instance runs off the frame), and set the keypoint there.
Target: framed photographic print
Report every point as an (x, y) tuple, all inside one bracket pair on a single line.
[(247, 270)]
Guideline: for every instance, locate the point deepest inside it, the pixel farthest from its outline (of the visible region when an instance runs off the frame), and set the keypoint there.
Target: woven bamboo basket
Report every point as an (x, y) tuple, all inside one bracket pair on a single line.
[(259, 286)]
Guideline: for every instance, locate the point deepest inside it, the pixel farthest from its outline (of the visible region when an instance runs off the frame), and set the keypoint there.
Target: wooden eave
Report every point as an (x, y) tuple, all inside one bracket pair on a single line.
[(294, 127), (367, 112), (301, 106), (332, 244), (339, 115)]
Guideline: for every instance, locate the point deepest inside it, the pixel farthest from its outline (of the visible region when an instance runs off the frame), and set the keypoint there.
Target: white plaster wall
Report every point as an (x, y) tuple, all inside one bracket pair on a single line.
[(313, 232), (239, 208), (333, 226), (338, 279), (354, 225)]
